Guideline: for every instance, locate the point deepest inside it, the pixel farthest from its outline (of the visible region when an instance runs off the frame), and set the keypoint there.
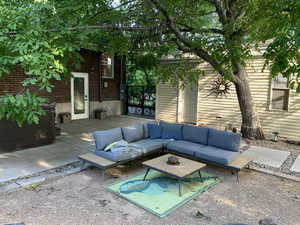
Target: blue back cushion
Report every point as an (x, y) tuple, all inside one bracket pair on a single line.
[(171, 130), (145, 126), (105, 137), (133, 133), (154, 131), (195, 134), (225, 140)]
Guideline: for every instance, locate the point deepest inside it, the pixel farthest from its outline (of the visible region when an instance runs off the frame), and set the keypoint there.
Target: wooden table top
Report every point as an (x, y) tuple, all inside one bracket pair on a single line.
[(90, 157), (240, 162), (185, 168)]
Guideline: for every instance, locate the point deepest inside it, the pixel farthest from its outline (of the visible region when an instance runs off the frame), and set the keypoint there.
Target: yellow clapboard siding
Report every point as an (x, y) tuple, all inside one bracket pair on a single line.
[(285, 122), (209, 107), (166, 102)]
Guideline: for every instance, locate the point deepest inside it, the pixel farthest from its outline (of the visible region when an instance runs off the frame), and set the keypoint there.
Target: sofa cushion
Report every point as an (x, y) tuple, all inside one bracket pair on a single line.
[(216, 155), (133, 133), (154, 130), (184, 147), (225, 140), (105, 137), (171, 130), (118, 155), (149, 145), (145, 127), (195, 134)]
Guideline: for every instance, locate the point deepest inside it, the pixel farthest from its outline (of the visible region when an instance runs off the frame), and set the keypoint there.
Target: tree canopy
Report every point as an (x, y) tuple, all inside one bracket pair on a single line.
[(41, 36)]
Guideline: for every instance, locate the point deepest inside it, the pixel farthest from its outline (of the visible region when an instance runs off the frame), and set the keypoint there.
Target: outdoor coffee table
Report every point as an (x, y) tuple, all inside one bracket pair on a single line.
[(184, 169)]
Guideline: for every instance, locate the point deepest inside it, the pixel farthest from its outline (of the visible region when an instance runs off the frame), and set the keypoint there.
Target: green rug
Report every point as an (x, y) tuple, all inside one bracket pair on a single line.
[(159, 193)]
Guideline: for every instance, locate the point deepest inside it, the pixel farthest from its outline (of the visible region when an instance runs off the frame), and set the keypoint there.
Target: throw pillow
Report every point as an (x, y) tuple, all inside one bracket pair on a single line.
[(154, 131)]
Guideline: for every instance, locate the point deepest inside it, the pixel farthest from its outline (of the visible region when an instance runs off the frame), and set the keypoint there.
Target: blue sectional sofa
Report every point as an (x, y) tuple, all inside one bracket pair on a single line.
[(199, 143)]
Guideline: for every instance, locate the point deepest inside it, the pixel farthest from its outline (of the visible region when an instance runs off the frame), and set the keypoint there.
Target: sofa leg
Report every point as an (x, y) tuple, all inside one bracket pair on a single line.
[(82, 165)]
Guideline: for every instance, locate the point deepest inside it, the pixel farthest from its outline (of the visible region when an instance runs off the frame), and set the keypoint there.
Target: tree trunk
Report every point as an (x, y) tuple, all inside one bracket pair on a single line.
[(251, 127)]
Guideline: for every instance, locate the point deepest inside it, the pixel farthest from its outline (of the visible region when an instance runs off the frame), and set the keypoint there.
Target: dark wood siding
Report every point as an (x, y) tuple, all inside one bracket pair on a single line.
[(61, 92)]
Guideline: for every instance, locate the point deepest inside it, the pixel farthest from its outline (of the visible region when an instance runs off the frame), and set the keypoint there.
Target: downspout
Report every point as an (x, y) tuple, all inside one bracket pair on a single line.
[(100, 76)]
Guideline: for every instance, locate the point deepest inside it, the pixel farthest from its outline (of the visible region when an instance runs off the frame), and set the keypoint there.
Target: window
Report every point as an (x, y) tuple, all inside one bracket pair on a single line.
[(280, 93), (107, 65)]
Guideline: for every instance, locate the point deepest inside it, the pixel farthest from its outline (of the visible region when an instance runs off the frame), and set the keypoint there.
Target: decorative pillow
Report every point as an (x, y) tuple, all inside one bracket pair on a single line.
[(109, 147), (145, 126), (133, 133), (171, 130), (105, 137), (224, 140), (195, 134), (154, 131)]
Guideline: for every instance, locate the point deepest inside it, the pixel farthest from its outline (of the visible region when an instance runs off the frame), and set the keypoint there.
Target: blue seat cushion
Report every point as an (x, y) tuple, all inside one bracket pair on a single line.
[(154, 130), (216, 155), (150, 145), (225, 140), (118, 156), (133, 133), (105, 137), (185, 147), (171, 130), (195, 134)]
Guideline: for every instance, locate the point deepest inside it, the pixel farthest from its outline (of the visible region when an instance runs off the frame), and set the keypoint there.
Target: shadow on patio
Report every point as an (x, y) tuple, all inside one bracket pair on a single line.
[(75, 139)]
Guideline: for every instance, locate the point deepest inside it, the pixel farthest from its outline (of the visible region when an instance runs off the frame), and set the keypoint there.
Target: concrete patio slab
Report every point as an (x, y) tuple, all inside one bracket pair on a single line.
[(34, 160), (267, 156), (75, 140), (296, 166)]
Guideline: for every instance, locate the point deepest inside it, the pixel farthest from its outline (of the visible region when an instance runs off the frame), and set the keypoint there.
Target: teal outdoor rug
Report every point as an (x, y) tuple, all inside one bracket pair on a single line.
[(158, 194)]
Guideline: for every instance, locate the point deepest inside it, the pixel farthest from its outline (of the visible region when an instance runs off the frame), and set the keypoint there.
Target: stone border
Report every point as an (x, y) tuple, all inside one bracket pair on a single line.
[(277, 174), (37, 178)]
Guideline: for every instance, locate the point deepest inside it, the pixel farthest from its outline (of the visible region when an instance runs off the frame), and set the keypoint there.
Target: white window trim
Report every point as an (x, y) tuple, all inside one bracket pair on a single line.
[(271, 96), (112, 69)]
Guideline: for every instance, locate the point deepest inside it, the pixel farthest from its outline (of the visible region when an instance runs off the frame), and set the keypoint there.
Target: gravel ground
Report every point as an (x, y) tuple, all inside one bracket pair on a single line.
[(280, 145), (80, 199)]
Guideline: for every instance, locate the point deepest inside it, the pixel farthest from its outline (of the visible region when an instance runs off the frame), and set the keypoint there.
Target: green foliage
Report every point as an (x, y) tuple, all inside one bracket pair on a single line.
[(278, 24), (180, 71), (39, 37), (22, 108), (42, 37), (141, 69)]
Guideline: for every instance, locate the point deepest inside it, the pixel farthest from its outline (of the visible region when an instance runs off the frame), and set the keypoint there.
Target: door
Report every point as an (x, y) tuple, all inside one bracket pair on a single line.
[(190, 96), (80, 96)]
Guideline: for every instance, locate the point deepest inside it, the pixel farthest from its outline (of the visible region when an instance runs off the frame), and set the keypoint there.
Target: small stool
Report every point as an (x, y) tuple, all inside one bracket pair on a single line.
[(100, 114)]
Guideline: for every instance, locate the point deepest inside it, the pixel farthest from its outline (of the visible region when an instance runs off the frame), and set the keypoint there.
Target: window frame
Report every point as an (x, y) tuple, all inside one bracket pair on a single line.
[(286, 89), (112, 57)]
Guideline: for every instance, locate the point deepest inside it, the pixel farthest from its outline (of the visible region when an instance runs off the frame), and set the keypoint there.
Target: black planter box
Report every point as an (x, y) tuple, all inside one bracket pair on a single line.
[(13, 137)]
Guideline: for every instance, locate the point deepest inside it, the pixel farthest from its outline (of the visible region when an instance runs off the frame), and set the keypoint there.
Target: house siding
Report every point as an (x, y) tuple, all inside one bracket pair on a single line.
[(210, 107), (166, 102), (99, 96), (61, 92)]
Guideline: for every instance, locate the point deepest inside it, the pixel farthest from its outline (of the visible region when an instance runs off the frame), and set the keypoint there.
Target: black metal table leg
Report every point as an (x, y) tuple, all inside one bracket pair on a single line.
[(146, 174), (179, 187), (237, 177), (200, 175)]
